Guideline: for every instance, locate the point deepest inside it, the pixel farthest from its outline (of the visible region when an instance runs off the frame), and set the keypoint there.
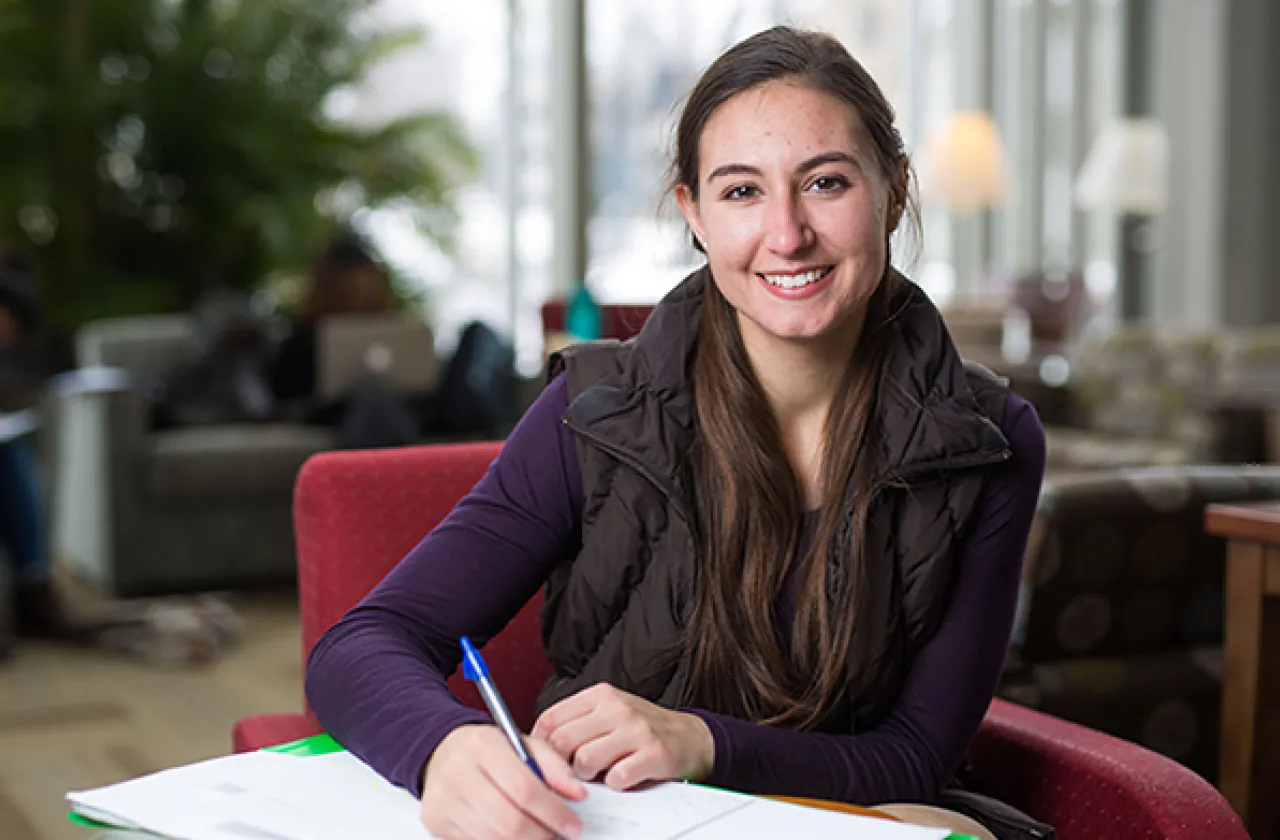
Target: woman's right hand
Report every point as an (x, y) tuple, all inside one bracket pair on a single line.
[(476, 788)]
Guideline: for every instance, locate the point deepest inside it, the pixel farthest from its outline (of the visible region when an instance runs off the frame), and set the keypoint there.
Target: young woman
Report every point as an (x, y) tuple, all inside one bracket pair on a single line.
[(780, 532)]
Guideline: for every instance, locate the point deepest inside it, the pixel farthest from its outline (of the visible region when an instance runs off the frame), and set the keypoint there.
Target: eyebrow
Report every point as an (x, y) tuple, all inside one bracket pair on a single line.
[(808, 165)]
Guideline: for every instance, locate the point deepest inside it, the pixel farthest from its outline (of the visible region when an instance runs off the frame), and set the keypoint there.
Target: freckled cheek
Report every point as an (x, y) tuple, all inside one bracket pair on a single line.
[(731, 246)]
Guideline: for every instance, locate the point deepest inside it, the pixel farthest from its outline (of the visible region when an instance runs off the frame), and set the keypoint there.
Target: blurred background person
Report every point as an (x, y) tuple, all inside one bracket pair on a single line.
[(346, 278), (26, 361)]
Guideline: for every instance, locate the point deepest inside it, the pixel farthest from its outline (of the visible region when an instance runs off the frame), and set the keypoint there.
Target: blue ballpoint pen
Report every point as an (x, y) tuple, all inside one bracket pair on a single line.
[(475, 669)]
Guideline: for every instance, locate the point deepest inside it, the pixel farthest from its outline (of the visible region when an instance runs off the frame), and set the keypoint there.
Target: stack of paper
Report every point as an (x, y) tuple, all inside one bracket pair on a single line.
[(273, 796)]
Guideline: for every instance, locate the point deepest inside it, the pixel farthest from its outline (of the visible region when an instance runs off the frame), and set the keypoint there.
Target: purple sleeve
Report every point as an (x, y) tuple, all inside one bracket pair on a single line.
[(376, 679), (917, 748)]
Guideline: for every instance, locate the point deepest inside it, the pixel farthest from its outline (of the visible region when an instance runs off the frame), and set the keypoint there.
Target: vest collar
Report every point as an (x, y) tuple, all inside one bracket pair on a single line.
[(646, 415)]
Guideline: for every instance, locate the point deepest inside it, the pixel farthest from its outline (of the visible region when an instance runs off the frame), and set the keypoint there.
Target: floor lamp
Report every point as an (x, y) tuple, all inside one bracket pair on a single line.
[(963, 168), (1127, 174)]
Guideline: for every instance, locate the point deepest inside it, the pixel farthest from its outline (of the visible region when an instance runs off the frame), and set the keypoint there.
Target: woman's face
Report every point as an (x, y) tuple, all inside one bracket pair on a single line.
[(793, 211), (364, 290)]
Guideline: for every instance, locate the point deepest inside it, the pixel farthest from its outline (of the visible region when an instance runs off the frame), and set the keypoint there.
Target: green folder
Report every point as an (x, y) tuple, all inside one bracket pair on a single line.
[(322, 744)]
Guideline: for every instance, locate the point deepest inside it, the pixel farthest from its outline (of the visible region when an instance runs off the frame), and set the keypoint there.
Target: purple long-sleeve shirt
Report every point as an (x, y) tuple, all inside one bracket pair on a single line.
[(376, 679)]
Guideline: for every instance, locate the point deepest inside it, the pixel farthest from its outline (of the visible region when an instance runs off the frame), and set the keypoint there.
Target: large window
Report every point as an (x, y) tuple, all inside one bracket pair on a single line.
[(458, 68), (1049, 72), (1057, 81)]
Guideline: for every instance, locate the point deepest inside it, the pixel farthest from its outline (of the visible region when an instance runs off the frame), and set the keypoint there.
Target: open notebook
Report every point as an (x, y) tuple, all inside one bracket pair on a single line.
[(334, 796)]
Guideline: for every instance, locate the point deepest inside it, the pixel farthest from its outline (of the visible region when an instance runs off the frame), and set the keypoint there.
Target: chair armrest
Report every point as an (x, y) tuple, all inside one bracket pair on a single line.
[(1091, 785), (92, 431), (102, 402)]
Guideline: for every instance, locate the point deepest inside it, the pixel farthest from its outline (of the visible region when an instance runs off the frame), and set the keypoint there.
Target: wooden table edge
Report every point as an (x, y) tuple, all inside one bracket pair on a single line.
[(1256, 521)]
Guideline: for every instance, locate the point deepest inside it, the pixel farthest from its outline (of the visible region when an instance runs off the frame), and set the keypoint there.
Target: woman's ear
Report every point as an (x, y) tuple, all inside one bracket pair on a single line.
[(898, 193), (896, 208), (689, 209)]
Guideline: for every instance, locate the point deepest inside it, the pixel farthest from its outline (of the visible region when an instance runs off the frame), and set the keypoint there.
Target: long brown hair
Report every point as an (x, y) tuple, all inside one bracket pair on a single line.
[(749, 501)]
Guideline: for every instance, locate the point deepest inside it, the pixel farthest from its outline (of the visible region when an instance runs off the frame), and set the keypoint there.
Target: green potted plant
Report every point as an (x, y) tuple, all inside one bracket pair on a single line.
[(156, 148)]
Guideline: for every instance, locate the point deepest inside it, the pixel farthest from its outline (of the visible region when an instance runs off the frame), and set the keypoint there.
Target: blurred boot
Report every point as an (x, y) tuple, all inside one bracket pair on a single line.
[(40, 613)]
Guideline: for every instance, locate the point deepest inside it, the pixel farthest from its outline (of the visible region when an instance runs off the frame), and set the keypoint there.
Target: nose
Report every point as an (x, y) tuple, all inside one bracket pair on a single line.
[(788, 230)]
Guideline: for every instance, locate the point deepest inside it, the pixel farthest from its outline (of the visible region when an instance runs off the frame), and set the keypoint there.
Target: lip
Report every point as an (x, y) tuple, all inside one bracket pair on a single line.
[(804, 269), (804, 292)]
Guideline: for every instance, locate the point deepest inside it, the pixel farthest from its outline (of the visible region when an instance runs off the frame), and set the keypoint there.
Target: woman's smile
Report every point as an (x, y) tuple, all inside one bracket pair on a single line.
[(797, 285)]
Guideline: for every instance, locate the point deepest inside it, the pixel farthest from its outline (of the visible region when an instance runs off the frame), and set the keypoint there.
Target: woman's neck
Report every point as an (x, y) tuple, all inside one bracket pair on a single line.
[(800, 381), (799, 378)]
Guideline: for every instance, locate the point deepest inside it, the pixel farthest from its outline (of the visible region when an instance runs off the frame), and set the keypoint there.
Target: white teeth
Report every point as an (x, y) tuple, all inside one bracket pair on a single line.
[(795, 281)]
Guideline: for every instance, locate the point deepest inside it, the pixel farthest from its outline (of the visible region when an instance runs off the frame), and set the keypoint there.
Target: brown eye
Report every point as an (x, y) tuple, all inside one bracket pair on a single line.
[(828, 184), (741, 192)]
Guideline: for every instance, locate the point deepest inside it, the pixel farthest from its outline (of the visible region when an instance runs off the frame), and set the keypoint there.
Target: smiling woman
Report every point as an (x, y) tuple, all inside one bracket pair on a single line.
[(780, 532)]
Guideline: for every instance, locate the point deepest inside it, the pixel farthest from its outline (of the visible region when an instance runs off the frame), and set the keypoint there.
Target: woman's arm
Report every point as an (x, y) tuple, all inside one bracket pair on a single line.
[(376, 679), (915, 751)]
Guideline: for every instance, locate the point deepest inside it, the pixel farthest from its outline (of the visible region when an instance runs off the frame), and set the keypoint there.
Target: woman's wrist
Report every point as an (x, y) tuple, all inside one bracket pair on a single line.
[(702, 748), (442, 746)]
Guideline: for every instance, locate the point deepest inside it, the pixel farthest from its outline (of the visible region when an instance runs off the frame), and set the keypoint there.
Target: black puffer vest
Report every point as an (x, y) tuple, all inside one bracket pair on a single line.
[(616, 612)]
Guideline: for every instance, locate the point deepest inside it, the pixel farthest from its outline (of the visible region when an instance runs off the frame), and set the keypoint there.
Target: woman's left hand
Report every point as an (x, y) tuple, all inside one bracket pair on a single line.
[(630, 740)]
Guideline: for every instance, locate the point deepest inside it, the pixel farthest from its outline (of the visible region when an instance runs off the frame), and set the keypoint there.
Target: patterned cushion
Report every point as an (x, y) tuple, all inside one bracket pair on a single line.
[(1120, 623), (1119, 564)]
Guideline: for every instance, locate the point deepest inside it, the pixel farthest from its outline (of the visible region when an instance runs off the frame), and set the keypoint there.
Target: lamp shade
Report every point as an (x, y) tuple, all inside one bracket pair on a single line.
[(1127, 170), (963, 166)]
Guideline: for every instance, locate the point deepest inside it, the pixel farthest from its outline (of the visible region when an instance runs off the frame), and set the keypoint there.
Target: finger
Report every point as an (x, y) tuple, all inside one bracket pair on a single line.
[(556, 771), (640, 766), (489, 814), (530, 796), (570, 708), (598, 755), (566, 738)]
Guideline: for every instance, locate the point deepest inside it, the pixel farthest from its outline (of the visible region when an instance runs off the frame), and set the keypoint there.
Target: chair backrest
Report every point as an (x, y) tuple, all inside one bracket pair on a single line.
[(1119, 564), (617, 320), (148, 346), (357, 514)]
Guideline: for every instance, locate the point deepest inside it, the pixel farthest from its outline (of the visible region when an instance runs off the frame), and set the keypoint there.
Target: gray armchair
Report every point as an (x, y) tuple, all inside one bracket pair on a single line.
[(136, 511)]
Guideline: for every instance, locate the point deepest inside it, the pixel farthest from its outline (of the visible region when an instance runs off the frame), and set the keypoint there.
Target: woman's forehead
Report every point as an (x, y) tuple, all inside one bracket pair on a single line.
[(777, 116)]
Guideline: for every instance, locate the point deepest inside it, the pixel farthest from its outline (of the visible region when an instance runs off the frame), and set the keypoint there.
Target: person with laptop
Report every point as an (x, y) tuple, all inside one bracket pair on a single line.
[(350, 361), (347, 278), (780, 532)]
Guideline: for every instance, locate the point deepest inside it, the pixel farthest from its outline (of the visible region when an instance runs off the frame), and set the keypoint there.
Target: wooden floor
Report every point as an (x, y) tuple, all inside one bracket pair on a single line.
[(73, 719)]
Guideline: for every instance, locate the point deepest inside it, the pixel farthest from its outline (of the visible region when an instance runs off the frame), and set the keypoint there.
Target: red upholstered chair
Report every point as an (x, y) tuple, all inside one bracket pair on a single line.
[(617, 320), (357, 513)]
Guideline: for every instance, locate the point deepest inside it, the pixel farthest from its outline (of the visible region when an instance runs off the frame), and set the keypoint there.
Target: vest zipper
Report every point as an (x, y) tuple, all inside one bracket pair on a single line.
[(976, 459)]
